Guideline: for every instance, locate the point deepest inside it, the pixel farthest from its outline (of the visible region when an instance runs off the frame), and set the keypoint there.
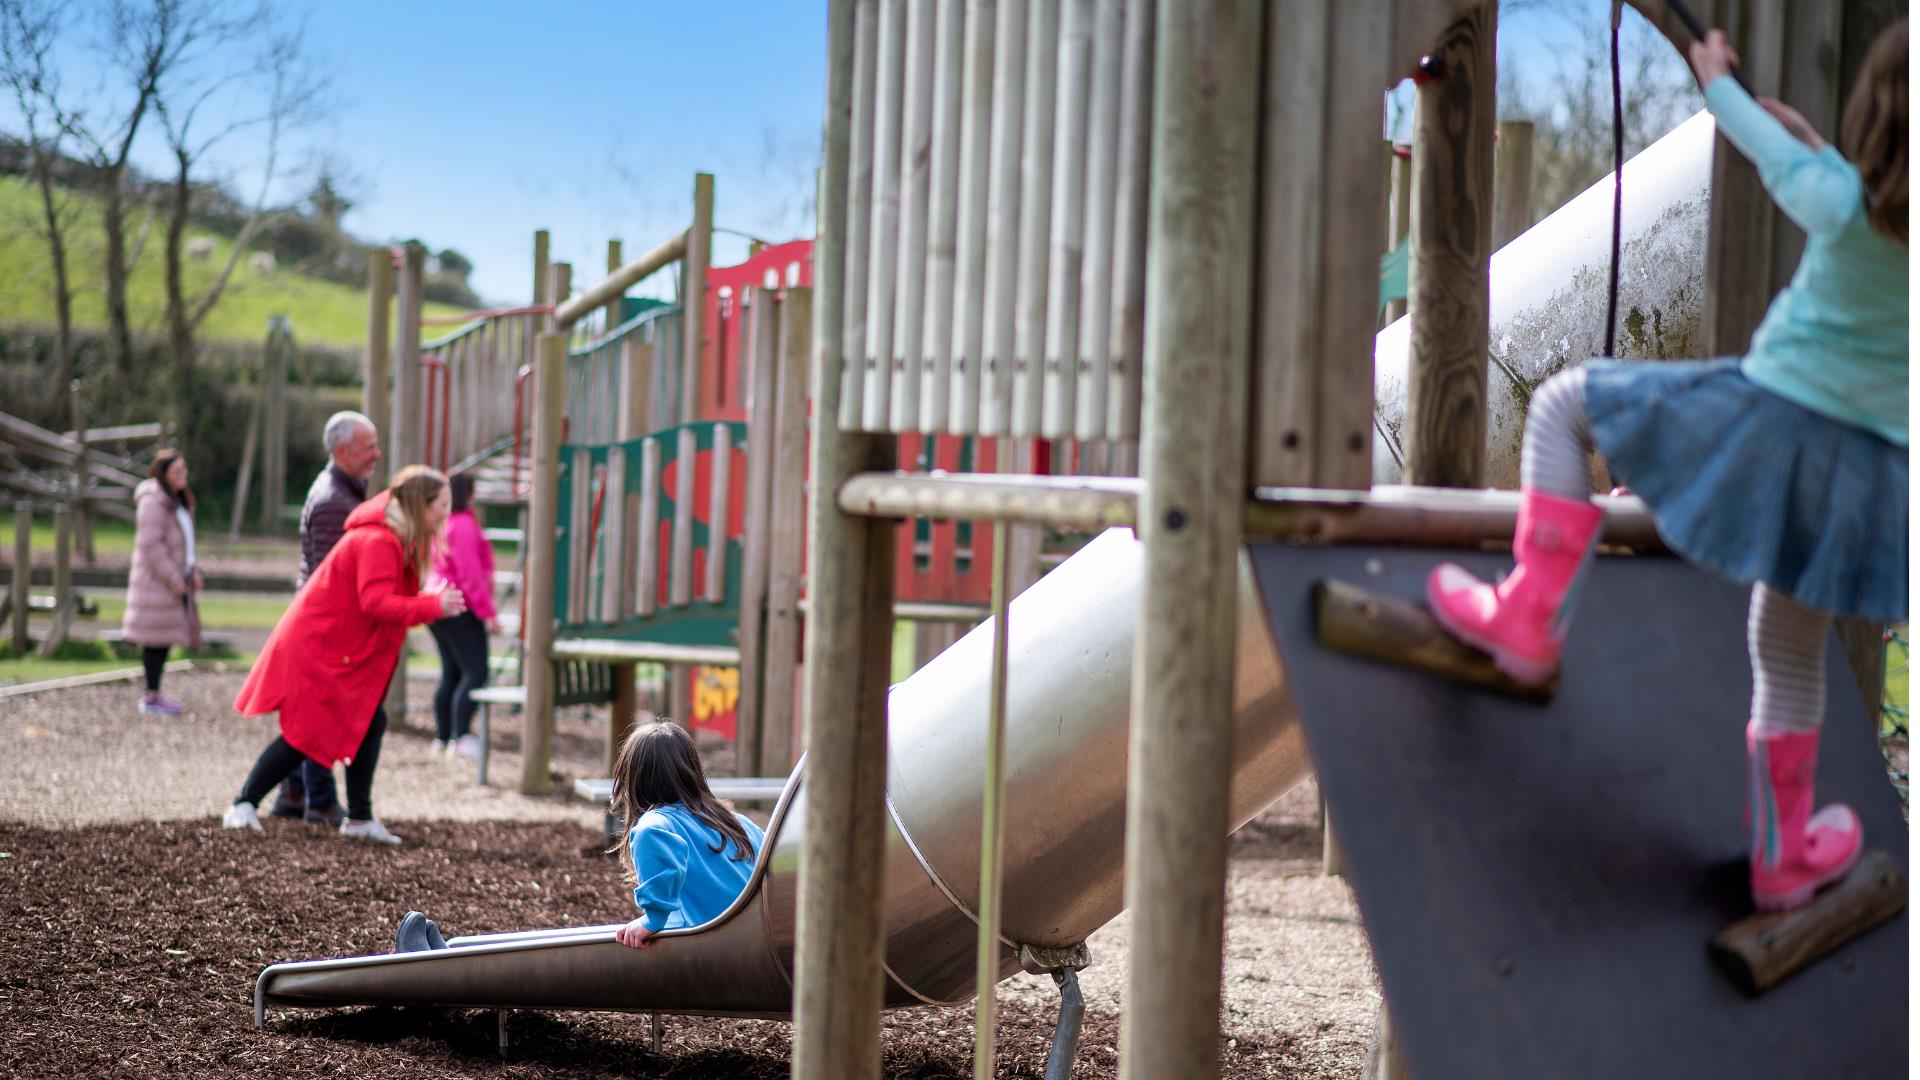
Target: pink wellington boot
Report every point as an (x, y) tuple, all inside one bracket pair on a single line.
[(1793, 851), (1521, 621)]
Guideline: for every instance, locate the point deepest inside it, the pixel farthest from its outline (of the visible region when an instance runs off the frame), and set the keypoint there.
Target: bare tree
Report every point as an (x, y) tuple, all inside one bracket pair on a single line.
[(28, 30), (1570, 102), (205, 101)]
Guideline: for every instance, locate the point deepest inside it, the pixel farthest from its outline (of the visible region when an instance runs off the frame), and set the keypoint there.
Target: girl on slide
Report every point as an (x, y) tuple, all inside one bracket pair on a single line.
[(1785, 468), (689, 854)]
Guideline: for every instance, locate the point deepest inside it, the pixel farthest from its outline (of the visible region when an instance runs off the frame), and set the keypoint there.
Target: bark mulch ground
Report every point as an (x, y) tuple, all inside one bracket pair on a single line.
[(134, 927)]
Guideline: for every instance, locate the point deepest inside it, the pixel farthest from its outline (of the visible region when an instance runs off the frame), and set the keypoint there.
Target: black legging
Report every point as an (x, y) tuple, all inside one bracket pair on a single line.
[(463, 669), (154, 659), (278, 761)]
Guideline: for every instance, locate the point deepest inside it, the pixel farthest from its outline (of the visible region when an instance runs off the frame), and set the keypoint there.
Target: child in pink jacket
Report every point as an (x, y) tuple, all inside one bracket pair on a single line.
[(465, 563)]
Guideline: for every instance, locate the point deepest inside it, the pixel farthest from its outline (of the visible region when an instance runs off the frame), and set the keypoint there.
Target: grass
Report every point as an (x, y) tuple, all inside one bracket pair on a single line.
[(322, 311), (88, 658), (218, 611)]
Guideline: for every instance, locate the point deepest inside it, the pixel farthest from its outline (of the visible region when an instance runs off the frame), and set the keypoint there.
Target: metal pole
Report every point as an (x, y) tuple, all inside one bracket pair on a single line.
[(992, 828), (838, 980), (1201, 228), (1066, 1031)]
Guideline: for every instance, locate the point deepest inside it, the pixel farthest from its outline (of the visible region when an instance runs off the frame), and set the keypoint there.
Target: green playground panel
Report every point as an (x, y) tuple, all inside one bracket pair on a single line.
[(699, 623)]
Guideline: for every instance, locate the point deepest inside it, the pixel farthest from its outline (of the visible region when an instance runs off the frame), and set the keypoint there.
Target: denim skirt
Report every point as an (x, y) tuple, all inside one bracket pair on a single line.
[(1746, 483)]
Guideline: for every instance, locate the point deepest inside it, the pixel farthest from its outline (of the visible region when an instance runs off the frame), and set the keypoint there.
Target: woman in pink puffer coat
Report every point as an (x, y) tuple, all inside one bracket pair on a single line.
[(164, 579)]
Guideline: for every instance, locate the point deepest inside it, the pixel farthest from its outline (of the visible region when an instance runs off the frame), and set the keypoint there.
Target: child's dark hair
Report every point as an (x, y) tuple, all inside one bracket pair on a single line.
[(1873, 130), (460, 484), (659, 765), (158, 470)]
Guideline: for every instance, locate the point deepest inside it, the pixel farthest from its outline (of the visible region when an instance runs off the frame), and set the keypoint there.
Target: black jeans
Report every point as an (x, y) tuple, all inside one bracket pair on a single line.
[(154, 659), (278, 761), (463, 669)]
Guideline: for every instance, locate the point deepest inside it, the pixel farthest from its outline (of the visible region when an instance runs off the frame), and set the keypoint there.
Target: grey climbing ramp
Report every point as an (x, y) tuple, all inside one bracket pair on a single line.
[(1539, 881)]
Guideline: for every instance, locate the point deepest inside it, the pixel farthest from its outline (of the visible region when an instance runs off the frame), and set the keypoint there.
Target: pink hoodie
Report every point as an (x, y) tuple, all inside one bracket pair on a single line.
[(466, 563)]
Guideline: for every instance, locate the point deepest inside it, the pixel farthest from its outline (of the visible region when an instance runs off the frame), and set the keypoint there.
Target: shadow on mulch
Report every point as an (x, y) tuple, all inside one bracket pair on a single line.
[(132, 950)]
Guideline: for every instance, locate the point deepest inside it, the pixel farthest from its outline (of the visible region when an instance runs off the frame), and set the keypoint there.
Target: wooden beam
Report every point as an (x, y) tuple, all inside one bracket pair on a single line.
[(22, 573), (786, 527), (542, 243), (567, 312), (1201, 228), (1452, 241), (838, 981)]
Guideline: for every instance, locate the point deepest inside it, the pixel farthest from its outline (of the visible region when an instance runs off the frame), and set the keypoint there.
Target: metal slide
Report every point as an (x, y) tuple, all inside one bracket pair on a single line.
[(1068, 701)]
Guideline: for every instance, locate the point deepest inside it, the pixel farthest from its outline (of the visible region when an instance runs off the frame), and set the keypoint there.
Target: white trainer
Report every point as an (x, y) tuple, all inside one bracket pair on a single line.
[(467, 746), (369, 830), (241, 815)]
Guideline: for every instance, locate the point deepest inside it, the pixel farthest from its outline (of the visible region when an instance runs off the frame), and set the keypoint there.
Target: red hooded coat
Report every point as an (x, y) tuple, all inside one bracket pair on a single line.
[(326, 666)]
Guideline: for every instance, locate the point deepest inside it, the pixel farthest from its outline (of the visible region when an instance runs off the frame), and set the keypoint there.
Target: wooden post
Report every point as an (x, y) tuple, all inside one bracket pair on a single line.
[(543, 523), (1512, 181), (763, 373), (1201, 228), (614, 262), (786, 525), (1452, 240), (542, 242), (83, 506), (620, 715), (693, 297), (1399, 214), (376, 395), (273, 450), (838, 983), (22, 574), (407, 442), (62, 580)]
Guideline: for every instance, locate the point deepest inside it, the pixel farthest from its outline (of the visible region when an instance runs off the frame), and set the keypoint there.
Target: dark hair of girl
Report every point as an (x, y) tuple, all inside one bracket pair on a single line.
[(659, 765), (461, 484), (1873, 130), (158, 470)]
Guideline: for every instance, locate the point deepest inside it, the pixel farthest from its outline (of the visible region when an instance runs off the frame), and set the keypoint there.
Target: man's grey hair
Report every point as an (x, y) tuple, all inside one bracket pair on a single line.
[(341, 426)]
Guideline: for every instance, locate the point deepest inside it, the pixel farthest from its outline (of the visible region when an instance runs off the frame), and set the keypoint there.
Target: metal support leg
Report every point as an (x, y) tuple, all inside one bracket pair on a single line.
[(1066, 1033), (486, 742), (659, 1029), (502, 1015)]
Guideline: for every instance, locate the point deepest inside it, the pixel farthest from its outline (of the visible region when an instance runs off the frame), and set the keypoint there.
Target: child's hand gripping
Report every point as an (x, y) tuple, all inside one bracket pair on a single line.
[(1712, 57), (634, 935)]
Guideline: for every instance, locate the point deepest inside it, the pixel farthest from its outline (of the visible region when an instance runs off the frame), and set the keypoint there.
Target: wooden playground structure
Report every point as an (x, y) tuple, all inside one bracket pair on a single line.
[(1122, 255)]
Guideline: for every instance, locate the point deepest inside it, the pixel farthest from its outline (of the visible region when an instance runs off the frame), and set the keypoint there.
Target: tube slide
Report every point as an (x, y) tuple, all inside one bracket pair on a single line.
[(1068, 708), (1549, 294)]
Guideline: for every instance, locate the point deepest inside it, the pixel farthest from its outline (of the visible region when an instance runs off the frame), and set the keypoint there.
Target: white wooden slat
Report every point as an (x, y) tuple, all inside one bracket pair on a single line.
[(859, 223), (992, 345), (680, 574), (916, 184), (943, 215), (719, 509), (577, 519), (613, 536), (1069, 221), (648, 549), (1096, 268), (884, 242), (1036, 212), (1128, 321)]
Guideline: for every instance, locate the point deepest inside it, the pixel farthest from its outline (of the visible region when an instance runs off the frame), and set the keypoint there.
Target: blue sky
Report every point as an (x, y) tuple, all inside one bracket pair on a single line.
[(469, 125)]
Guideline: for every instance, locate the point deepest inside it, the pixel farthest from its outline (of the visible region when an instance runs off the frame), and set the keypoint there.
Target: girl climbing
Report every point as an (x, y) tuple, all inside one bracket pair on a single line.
[(689, 854), (1785, 468)]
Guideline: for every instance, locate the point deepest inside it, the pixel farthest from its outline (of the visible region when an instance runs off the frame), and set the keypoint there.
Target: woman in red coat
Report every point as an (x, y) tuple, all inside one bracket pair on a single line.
[(326, 667)]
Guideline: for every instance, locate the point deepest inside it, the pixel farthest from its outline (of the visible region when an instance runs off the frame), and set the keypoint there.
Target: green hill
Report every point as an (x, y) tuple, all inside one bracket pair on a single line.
[(322, 311)]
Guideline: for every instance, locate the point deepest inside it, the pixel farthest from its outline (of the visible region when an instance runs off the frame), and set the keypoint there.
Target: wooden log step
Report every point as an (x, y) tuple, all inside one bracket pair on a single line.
[(1762, 950), (1352, 619)]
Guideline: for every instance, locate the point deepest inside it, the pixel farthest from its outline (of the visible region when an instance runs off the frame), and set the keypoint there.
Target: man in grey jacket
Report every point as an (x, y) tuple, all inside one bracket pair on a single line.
[(354, 445)]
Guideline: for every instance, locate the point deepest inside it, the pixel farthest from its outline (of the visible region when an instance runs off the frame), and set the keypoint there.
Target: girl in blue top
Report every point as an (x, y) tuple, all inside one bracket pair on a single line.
[(1785, 468), (689, 855)]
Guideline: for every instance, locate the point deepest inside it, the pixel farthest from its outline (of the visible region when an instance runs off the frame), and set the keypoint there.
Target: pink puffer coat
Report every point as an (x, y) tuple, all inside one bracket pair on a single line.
[(154, 615)]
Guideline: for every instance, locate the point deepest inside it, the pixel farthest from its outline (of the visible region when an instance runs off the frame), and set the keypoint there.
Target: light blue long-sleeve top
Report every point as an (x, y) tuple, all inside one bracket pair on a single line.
[(1835, 339), (683, 880)]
